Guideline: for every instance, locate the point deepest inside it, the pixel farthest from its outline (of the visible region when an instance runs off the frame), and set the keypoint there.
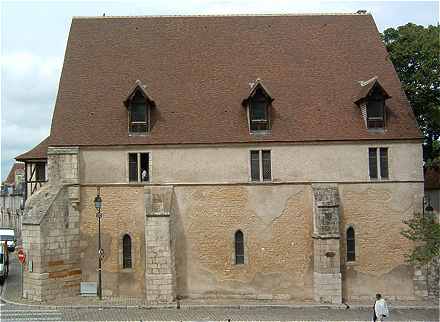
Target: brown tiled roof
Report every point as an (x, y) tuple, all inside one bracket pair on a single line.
[(198, 70), (38, 152), (17, 167), (432, 178)]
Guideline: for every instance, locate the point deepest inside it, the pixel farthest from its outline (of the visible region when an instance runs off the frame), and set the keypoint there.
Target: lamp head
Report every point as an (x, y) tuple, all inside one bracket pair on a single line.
[(98, 202)]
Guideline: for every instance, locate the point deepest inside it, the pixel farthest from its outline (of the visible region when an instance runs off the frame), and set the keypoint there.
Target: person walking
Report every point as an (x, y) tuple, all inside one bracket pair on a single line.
[(380, 309)]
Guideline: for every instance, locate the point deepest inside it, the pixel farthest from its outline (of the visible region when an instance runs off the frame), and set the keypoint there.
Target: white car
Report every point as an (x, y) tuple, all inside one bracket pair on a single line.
[(8, 235)]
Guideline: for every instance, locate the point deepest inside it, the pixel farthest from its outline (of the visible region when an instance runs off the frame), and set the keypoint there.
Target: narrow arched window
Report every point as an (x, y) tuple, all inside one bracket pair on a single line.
[(239, 247), (351, 245), (126, 252)]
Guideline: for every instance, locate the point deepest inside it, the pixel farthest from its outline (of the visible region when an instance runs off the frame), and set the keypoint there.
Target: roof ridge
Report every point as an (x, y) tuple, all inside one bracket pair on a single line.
[(230, 15)]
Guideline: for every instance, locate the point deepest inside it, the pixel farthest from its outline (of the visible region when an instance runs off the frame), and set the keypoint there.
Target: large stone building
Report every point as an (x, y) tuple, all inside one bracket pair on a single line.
[(250, 157)]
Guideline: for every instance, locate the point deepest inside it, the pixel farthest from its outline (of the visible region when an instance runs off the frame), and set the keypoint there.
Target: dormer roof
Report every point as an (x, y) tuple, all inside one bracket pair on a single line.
[(368, 87), (255, 86), (138, 87)]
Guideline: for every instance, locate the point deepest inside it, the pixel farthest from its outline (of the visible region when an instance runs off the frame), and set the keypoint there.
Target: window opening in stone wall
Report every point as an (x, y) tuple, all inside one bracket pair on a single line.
[(384, 163), (138, 167), (351, 245), (378, 163), (372, 159), (266, 165), (255, 165), (239, 247), (132, 167), (126, 252), (261, 166), (144, 167)]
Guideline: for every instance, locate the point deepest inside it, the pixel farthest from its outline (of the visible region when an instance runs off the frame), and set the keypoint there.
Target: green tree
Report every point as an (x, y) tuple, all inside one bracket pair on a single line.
[(414, 51), (424, 230)]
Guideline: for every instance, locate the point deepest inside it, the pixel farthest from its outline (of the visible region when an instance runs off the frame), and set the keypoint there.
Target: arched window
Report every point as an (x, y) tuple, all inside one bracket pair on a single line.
[(239, 247), (351, 245), (126, 252)]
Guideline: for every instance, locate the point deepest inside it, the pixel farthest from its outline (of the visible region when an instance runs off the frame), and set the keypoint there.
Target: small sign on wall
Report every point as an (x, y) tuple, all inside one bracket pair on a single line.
[(88, 288), (30, 266)]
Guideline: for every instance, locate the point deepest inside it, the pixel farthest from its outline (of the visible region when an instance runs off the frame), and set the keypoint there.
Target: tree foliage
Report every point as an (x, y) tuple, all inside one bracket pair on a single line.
[(424, 230), (414, 51)]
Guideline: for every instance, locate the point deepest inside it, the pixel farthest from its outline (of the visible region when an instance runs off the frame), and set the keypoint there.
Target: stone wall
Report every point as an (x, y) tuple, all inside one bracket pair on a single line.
[(123, 212), (376, 212), (327, 286), (276, 223), (51, 231), (160, 281), (196, 226)]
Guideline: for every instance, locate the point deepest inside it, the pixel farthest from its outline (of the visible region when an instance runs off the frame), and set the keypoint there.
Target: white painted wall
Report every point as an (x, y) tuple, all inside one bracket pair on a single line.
[(334, 162)]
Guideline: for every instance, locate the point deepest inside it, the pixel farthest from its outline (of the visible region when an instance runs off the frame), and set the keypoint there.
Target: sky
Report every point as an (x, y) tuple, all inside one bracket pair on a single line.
[(34, 37)]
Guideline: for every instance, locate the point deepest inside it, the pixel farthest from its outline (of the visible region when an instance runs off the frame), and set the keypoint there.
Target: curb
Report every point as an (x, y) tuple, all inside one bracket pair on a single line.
[(226, 306), (237, 306)]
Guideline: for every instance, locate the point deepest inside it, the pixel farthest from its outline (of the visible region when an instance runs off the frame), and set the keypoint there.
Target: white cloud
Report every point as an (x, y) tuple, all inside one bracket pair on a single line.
[(29, 88)]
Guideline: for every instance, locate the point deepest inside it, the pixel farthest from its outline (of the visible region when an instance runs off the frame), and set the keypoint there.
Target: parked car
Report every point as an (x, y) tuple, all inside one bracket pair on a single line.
[(8, 235), (4, 262)]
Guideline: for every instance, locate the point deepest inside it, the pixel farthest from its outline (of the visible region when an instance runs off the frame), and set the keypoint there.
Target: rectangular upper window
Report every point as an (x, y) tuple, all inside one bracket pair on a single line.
[(139, 115), (378, 163), (376, 112), (138, 167), (261, 165), (259, 112), (40, 171)]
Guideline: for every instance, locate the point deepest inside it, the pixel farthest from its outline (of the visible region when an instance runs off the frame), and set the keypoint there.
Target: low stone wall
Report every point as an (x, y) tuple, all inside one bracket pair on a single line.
[(433, 278)]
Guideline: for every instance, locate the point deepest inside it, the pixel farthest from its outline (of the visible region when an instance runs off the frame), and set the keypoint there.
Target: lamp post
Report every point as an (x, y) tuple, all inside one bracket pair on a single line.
[(98, 205)]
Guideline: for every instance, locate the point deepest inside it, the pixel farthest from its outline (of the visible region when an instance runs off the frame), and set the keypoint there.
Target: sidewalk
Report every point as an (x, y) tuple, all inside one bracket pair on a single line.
[(12, 294)]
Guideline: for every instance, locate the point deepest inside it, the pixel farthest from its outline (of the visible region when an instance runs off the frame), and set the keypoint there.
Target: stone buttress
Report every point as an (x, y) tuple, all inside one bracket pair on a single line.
[(160, 276), (51, 231), (327, 284)]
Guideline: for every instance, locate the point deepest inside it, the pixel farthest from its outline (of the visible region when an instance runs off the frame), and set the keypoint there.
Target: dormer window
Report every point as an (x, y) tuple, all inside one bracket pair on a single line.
[(376, 111), (258, 104), (139, 104), (371, 100), (139, 114), (259, 112)]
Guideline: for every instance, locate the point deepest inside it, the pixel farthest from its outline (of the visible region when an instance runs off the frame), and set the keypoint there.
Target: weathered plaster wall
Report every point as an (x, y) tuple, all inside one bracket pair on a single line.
[(276, 223), (376, 213), (298, 163), (123, 213)]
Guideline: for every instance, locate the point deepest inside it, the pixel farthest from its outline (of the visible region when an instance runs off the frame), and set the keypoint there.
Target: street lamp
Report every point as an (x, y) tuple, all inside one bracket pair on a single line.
[(98, 205)]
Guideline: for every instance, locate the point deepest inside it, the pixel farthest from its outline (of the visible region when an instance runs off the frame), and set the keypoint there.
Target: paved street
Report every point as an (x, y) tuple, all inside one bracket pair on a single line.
[(10, 312)]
